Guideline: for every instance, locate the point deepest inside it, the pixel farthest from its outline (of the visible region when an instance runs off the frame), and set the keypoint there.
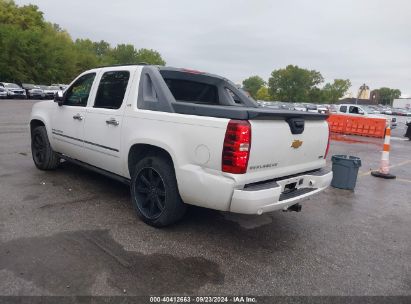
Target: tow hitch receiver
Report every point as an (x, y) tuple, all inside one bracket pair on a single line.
[(290, 188), (296, 208)]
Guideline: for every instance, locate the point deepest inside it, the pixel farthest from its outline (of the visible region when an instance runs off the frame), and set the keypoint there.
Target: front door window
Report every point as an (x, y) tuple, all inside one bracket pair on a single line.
[(77, 94)]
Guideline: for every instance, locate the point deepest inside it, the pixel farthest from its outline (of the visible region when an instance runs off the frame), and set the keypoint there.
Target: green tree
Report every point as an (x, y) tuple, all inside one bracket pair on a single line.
[(34, 50), (149, 56), (293, 84), (24, 17), (334, 91), (124, 54), (253, 84), (387, 95), (85, 57), (262, 94), (316, 95)]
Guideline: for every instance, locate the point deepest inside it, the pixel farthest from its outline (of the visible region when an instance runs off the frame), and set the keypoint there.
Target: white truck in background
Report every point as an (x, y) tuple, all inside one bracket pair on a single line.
[(183, 137), (352, 109)]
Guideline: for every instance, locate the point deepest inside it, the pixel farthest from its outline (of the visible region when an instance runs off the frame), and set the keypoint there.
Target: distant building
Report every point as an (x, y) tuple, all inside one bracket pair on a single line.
[(375, 96), (364, 92), (364, 97)]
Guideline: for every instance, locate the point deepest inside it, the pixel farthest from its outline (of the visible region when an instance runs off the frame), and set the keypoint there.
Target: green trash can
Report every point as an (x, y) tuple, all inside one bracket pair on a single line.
[(345, 171)]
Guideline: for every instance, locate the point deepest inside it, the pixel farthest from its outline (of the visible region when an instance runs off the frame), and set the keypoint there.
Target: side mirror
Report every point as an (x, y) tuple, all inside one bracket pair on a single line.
[(361, 112), (59, 98)]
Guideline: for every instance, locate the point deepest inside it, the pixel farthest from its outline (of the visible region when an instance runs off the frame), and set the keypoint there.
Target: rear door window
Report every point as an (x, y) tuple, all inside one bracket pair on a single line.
[(111, 90), (343, 109)]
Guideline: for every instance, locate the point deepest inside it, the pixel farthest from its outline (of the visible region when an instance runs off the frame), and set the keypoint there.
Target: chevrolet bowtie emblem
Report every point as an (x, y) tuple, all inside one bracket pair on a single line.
[(296, 144)]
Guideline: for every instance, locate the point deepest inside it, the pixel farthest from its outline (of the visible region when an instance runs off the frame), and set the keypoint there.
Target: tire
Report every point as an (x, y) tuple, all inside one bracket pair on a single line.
[(154, 192), (43, 155)]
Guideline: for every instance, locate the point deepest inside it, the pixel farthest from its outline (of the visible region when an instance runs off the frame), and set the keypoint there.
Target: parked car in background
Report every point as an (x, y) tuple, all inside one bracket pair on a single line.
[(33, 91), (13, 90), (333, 108), (61, 86), (311, 108), (323, 109), (386, 110), (403, 112), (372, 109), (396, 111), (300, 107), (49, 91), (3, 93)]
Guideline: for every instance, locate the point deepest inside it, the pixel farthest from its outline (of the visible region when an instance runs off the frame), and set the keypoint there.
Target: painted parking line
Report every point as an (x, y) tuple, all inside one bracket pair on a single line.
[(393, 166), (403, 180), (399, 138)]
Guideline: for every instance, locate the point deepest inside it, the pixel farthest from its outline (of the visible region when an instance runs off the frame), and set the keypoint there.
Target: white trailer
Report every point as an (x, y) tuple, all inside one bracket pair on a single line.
[(402, 103)]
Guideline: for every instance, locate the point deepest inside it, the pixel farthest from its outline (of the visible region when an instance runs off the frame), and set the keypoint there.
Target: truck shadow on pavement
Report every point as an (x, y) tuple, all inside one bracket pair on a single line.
[(276, 231), (68, 263)]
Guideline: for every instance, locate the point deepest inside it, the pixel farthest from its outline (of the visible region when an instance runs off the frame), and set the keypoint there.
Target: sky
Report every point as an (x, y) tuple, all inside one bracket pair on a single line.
[(366, 41)]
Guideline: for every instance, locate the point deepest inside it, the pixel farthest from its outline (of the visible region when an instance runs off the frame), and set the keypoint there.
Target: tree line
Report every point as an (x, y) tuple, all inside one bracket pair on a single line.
[(34, 50), (295, 84)]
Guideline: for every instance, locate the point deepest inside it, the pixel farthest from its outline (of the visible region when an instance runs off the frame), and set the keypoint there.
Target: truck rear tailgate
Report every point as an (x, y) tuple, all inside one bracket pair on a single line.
[(276, 152)]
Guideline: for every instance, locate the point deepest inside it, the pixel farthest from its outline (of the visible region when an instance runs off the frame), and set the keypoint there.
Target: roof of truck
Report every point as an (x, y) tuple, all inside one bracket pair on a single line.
[(163, 68)]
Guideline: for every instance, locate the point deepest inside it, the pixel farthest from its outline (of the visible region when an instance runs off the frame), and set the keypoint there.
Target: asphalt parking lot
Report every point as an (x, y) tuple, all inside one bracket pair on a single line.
[(74, 232)]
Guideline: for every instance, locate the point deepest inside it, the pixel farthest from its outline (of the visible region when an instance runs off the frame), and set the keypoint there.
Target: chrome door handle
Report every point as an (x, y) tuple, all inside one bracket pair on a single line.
[(78, 117), (112, 121)]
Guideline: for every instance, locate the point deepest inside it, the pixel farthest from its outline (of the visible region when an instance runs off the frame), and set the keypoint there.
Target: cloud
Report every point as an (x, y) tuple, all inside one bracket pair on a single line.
[(367, 41)]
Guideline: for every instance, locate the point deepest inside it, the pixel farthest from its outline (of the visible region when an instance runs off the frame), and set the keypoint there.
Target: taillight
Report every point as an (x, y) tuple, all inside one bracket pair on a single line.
[(328, 142), (236, 148)]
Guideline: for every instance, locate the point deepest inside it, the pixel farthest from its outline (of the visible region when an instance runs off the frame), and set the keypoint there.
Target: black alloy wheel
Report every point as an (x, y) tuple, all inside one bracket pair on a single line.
[(150, 193), (154, 191), (39, 148), (43, 155)]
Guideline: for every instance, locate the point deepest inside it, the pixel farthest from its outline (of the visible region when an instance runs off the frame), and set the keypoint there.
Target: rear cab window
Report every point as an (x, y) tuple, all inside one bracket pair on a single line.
[(195, 87), (343, 109), (193, 91)]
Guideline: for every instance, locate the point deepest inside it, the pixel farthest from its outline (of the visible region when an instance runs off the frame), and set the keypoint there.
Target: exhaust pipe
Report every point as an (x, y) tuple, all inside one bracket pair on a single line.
[(296, 208)]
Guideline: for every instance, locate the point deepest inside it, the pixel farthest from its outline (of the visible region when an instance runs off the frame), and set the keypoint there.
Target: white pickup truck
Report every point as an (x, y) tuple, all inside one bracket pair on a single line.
[(182, 137), (352, 109)]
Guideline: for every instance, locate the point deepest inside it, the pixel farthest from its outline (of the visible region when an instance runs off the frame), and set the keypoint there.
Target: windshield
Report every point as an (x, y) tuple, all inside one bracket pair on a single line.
[(11, 86), (28, 86)]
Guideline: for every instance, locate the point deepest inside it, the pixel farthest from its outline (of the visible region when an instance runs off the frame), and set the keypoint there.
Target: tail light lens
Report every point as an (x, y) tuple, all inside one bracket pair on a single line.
[(236, 148), (328, 142)]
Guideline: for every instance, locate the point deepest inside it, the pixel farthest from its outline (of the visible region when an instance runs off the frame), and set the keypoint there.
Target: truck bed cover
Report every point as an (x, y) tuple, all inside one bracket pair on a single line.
[(243, 113)]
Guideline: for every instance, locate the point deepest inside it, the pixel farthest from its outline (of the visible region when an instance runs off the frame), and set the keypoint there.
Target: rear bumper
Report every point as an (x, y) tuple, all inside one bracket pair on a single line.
[(270, 196)]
